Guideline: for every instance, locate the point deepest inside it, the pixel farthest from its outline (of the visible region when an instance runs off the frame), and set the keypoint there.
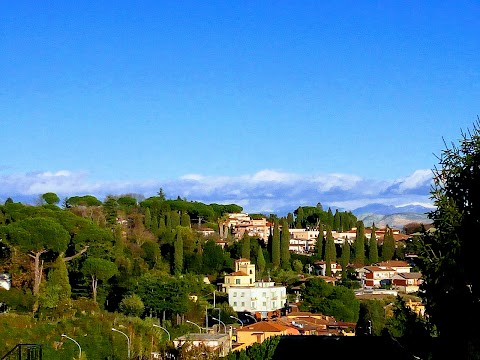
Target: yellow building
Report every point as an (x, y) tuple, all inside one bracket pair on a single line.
[(244, 275), (260, 331)]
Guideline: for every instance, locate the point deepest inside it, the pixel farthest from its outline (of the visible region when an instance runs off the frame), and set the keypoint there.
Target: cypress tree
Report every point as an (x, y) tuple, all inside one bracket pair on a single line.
[(185, 220), (285, 246), (148, 219), (330, 252), (345, 259), (246, 245), (329, 217), (300, 218), (276, 246), (360, 244), (372, 248), (175, 219), (154, 225), (388, 247), (260, 261), (289, 219), (320, 246), (336, 221), (178, 254)]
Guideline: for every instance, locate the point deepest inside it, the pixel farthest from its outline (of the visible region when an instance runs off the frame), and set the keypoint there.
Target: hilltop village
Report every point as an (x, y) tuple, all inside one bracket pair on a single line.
[(203, 276)]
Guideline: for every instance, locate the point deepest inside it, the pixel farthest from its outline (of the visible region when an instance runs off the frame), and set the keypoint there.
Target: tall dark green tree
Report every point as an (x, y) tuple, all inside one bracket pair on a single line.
[(320, 245), (329, 220), (330, 252), (260, 261), (178, 253), (336, 221), (388, 247), (285, 246), (449, 255), (276, 247), (148, 219), (359, 245), (300, 218), (373, 247), (246, 245), (345, 259)]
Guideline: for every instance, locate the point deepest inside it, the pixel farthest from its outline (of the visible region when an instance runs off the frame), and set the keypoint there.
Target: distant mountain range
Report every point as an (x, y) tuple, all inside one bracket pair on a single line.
[(392, 216)]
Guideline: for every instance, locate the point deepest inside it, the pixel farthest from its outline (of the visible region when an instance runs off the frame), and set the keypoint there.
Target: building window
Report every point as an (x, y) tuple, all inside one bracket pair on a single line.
[(253, 305), (264, 294), (234, 303), (251, 281), (234, 294), (237, 281), (251, 272), (242, 294), (274, 305), (243, 304)]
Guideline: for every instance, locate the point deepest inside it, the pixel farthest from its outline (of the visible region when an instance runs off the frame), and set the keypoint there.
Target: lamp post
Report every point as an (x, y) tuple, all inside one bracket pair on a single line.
[(128, 341), (250, 316), (161, 327), (240, 321), (79, 347), (191, 322), (225, 326)]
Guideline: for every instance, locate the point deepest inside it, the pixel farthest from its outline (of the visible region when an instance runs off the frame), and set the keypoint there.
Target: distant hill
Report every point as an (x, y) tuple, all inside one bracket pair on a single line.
[(392, 216)]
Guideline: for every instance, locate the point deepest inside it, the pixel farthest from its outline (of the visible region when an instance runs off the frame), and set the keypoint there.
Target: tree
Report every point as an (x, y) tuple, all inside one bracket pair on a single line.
[(98, 269), (246, 245), (260, 261), (372, 247), (449, 254), (300, 218), (338, 301), (148, 219), (285, 246), (345, 259), (178, 254), (388, 247), (276, 246), (330, 252), (36, 236), (320, 244), (359, 244), (51, 198), (132, 305)]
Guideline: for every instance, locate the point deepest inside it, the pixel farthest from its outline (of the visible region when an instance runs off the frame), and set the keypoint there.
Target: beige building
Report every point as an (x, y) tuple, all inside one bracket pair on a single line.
[(244, 275)]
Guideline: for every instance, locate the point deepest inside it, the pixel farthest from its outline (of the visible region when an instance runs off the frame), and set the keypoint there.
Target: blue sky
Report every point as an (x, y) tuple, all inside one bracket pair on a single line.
[(265, 104)]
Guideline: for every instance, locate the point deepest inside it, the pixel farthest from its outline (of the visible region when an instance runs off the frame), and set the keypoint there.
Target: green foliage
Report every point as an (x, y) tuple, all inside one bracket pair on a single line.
[(51, 198), (132, 305), (245, 242), (330, 251), (57, 288), (263, 351), (18, 299), (449, 253), (372, 313), (261, 264), (338, 301), (285, 246), (359, 245), (297, 266), (178, 254), (110, 207), (345, 259), (86, 200), (373, 247), (405, 322), (276, 247), (388, 247)]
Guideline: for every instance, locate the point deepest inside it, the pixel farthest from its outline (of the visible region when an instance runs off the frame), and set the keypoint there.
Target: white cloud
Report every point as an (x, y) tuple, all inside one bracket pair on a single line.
[(264, 191)]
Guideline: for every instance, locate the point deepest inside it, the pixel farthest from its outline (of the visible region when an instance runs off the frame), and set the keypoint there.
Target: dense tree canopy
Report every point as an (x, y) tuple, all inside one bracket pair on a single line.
[(449, 253)]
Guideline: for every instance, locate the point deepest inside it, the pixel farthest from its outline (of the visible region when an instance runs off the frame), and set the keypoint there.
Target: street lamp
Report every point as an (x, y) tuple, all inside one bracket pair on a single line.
[(191, 322), (220, 321), (128, 340), (250, 316), (161, 327), (79, 347), (240, 321)]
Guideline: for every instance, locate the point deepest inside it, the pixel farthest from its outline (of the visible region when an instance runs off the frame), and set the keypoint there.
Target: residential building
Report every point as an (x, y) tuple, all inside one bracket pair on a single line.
[(262, 298), (260, 331), (321, 267), (407, 282), (217, 343), (244, 275)]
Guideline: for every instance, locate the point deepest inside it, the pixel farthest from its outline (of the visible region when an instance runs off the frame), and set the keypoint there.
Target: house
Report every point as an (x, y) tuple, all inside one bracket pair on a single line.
[(217, 343), (399, 266), (263, 298), (407, 282), (260, 331), (244, 275), (206, 231), (377, 276), (321, 267)]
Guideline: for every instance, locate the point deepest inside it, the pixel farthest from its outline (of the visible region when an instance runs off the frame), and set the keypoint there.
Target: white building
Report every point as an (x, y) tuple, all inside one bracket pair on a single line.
[(263, 298), (246, 295)]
